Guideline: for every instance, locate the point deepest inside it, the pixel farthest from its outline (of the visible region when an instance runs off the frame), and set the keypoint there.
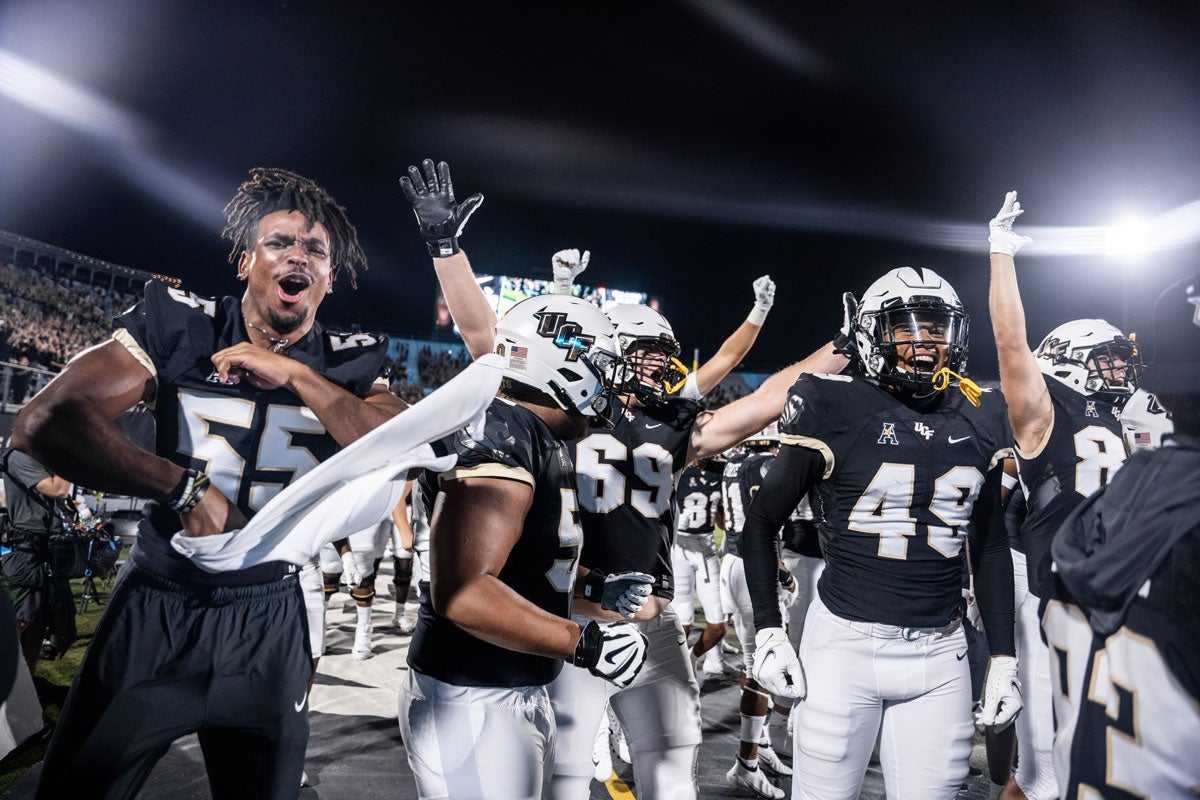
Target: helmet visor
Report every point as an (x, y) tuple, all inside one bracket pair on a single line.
[(923, 340)]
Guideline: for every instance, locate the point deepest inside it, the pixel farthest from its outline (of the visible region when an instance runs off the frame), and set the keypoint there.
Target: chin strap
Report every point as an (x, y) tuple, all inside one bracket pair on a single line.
[(970, 389), (677, 371)]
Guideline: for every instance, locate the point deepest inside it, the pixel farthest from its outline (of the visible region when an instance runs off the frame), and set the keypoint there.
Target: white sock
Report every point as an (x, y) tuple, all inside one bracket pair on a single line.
[(364, 616), (749, 763), (752, 727)]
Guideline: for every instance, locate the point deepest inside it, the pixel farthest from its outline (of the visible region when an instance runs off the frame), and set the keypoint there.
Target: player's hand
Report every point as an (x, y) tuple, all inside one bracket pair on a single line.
[(790, 588), (623, 592), (764, 298), (440, 218), (844, 341), (614, 651), (1001, 694), (1000, 233), (776, 666), (351, 575), (973, 615), (261, 368), (567, 265), (213, 514)]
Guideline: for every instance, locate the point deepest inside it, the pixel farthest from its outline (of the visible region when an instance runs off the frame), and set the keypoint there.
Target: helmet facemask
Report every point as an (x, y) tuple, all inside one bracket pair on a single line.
[(910, 342), (646, 370)]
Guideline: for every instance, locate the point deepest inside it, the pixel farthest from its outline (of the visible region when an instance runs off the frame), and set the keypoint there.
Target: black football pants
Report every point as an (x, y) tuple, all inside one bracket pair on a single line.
[(167, 660)]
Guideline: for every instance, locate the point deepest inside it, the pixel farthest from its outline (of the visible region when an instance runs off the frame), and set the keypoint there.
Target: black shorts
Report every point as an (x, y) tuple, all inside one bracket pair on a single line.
[(230, 663), (28, 584)]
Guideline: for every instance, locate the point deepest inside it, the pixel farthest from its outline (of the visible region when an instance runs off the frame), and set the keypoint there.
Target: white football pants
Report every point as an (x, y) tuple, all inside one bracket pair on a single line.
[(660, 714), (697, 574), (1035, 724), (477, 743), (913, 681)]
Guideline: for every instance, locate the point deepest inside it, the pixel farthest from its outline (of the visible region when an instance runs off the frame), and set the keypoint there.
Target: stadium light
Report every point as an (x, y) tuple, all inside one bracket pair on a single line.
[(1126, 239)]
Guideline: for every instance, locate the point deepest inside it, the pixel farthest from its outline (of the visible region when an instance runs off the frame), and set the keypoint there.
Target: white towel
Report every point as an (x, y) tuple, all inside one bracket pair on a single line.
[(358, 487)]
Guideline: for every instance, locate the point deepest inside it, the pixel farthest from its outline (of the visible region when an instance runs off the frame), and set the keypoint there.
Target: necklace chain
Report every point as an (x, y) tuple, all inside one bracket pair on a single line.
[(277, 345)]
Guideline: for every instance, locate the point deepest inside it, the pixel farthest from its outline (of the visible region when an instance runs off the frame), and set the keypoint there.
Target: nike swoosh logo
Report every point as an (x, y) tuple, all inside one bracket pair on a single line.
[(952, 440), (300, 706), (655, 425), (960, 658), (611, 658)]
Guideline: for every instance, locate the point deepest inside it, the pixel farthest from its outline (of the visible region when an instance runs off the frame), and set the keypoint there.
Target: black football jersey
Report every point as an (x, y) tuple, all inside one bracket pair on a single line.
[(252, 443), (1127, 706), (897, 493), (626, 482), (738, 486), (1084, 449), (697, 500), (516, 445)]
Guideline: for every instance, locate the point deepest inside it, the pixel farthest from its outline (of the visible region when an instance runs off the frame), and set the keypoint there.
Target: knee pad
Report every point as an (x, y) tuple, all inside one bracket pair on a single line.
[(330, 582), (364, 593), (404, 571)]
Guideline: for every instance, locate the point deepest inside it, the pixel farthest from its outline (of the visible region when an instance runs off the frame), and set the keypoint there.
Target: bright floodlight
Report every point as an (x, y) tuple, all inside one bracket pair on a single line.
[(1126, 239)]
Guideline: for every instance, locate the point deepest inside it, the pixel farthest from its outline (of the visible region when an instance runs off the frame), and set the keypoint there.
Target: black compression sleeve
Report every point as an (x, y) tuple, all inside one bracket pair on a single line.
[(795, 471), (994, 574)]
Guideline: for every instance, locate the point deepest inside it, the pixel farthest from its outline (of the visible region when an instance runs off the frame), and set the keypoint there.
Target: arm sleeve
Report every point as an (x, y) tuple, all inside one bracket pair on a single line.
[(794, 473), (993, 567)]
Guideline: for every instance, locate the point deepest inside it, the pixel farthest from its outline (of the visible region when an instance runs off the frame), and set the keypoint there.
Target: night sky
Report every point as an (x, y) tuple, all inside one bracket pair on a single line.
[(691, 145)]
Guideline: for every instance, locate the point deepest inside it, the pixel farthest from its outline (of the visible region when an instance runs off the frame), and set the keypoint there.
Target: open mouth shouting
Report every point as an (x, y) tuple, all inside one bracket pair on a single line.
[(293, 286)]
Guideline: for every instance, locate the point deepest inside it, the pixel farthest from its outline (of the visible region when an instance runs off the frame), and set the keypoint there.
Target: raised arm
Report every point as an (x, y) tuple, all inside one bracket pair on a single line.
[(717, 431), (441, 220), (735, 348), (1029, 409)]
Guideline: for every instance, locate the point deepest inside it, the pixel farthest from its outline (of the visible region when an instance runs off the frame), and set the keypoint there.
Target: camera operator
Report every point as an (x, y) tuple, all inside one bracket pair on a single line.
[(37, 502)]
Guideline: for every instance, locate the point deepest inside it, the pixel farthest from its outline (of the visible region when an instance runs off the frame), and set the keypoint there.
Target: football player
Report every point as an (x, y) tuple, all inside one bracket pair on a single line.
[(698, 512), (1144, 422), (495, 626), (626, 481), (1064, 402), (740, 484), (903, 471), (1120, 616), (249, 394)]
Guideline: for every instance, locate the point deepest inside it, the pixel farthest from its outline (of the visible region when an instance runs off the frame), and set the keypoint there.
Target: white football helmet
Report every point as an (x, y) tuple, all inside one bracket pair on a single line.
[(765, 439), (908, 299), (639, 329), (1083, 353), (1144, 422), (563, 347)]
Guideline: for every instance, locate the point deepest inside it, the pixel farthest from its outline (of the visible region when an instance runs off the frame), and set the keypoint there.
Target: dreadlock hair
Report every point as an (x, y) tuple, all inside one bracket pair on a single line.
[(272, 189)]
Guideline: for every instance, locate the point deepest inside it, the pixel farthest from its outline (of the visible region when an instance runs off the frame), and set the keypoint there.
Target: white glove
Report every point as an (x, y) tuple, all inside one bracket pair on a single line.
[(567, 264), (776, 666), (764, 298), (351, 575), (1001, 694), (615, 651), (1001, 236), (623, 592)]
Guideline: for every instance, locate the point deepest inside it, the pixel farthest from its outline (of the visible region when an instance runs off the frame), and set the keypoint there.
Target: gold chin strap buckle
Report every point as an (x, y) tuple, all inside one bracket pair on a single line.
[(969, 388), (675, 376)]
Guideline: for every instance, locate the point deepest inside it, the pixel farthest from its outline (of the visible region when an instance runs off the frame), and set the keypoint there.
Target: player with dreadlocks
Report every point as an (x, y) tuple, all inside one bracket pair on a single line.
[(249, 394)]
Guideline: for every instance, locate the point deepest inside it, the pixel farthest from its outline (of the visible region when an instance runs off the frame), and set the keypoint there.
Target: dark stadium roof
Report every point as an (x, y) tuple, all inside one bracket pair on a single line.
[(691, 145)]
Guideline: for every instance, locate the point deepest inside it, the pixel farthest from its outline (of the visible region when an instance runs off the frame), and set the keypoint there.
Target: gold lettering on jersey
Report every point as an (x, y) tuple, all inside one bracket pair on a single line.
[(923, 430), (205, 304), (888, 435)]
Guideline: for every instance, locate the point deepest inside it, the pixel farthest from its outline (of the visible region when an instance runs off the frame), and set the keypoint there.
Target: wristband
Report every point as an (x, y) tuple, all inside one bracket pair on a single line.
[(758, 315), (188, 491), (786, 580), (442, 248), (593, 586)]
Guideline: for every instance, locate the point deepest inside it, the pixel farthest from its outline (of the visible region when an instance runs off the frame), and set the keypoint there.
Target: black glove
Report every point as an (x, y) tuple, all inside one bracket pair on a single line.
[(623, 592), (843, 342), (432, 197)]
